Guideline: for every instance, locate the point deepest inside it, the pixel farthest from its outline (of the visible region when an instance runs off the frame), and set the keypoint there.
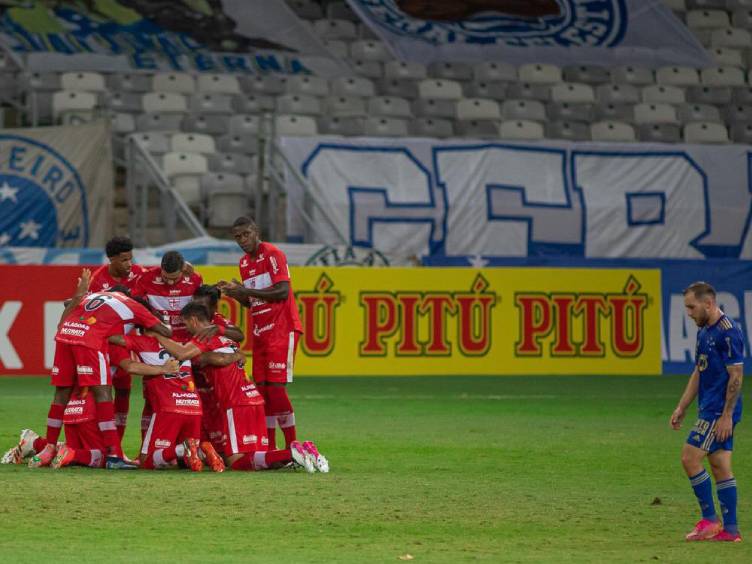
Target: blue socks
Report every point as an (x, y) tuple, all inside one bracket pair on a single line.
[(727, 497), (703, 488)]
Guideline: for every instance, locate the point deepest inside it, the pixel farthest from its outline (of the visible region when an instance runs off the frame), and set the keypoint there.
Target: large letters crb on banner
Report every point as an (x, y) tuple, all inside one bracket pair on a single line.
[(457, 202), (56, 186), (519, 31), (237, 36)]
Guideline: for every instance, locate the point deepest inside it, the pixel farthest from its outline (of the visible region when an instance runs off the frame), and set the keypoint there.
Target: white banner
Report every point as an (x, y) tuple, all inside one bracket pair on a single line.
[(236, 36), (56, 186), (601, 32), (460, 202)]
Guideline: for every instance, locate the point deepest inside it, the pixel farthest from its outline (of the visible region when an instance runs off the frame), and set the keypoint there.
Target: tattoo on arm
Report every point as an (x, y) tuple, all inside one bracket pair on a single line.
[(734, 388)]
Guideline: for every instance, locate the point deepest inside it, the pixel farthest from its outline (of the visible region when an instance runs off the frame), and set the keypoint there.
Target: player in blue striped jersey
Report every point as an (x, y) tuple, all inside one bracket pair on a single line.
[(716, 382)]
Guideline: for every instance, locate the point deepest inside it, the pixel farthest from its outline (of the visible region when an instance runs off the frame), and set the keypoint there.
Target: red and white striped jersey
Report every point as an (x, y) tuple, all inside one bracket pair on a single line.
[(168, 299), (102, 280)]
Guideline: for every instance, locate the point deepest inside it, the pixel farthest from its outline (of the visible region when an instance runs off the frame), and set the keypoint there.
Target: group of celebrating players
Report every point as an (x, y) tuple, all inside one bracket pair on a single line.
[(162, 323)]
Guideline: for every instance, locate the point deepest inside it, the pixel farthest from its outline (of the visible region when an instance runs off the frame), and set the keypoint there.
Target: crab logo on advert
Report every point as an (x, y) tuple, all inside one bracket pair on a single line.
[(565, 23), (42, 199)]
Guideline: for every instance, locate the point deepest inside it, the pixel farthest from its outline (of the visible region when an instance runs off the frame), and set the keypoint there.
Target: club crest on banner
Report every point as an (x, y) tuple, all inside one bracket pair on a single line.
[(566, 23), (40, 194)]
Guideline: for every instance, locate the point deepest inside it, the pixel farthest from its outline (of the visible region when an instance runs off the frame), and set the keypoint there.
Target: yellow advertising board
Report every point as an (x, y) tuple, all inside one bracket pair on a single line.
[(462, 321)]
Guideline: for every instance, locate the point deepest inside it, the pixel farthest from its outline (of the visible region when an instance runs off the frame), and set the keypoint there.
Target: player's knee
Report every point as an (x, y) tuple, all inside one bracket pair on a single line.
[(102, 393), (690, 460), (62, 395)]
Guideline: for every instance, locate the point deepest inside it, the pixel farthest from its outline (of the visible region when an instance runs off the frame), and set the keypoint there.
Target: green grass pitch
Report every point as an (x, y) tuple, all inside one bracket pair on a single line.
[(512, 469)]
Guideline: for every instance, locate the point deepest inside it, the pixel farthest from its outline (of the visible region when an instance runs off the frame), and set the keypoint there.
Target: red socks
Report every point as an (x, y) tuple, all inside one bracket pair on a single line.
[(244, 463), (106, 423), (279, 410), (262, 460), (54, 422), (122, 404), (39, 444), (91, 458)]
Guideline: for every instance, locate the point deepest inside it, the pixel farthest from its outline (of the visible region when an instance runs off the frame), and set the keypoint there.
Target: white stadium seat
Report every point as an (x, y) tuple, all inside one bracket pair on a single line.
[(192, 143), (370, 50), (389, 106), (184, 171), (299, 104), (178, 82), (83, 81), (218, 84), (164, 102), (521, 129), (677, 76), (386, 127), (723, 76), (539, 73), (401, 69), (308, 85), (705, 132), (353, 86), (573, 93), (663, 94), (478, 109), (292, 125), (495, 71), (654, 113), (612, 131), (71, 106), (438, 89)]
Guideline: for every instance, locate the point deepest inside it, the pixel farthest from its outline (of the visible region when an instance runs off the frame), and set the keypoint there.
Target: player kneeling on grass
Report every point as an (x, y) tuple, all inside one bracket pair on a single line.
[(246, 444)]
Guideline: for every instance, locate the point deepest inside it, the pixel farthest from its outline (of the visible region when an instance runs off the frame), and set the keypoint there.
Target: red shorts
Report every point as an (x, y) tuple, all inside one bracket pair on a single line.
[(169, 429), (121, 380), (245, 429), (76, 364), (85, 436), (212, 428), (273, 358)]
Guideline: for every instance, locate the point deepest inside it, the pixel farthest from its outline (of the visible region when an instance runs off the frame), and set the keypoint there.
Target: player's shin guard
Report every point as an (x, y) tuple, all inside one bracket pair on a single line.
[(54, 423), (122, 404), (106, 424), (279, 406), (726, 490), (703, 489)]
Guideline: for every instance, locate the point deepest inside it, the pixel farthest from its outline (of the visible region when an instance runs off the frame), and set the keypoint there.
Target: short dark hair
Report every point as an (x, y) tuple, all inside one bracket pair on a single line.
[(118, 245), (121, 288), (197, 310), (208, 291), (172, 261), (244, 220), (700, 290)]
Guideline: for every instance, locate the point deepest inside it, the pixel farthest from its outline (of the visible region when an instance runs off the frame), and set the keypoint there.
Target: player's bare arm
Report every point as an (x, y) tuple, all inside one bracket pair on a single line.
[(141, 369), (212, 358), (237, 291), (180, 351), (689, 395), (82, 287), (231, 332), (161, 329), (725, 424)]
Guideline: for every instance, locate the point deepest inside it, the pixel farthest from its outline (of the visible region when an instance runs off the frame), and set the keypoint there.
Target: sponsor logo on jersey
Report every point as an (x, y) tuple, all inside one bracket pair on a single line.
[(81, 369), (275, 266), (162, 443), (260, 257), (264, 441), (263, 329), (55, 370), (277, 365), (74, 410), (249, 439), (174, 303)]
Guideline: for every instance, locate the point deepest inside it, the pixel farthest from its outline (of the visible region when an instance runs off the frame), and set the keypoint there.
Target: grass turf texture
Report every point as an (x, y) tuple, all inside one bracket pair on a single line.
[(443, 469)]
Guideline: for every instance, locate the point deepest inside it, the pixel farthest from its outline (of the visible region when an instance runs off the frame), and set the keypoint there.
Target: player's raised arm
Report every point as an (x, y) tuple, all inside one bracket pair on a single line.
[(141, 369), (221, 359), (689, 395), (82, 287)]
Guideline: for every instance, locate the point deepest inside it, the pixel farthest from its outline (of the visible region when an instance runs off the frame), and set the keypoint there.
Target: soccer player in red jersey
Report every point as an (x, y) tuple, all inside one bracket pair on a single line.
[(246, 446), (120, 270), (267, 291), (80, 339)]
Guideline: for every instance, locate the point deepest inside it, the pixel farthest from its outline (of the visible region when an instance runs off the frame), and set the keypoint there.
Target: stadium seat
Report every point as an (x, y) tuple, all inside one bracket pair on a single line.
[(401, 70), (707, 19), (122, 123), (529, 91), (253, 104), (586, 74), (245, 143), (741, 133), (660, 133), (176, 82), (346, 126), (618, 94), (164, 102), (268, 85), (723, 76), (213, 182), (530, 110), (155, 142), (718, 96), (495, 71), (490, 90), (159, 122), (209, 124), (335, 29), (573, 93), (434, 108), (370, 50), (184, 170), (432, 127), (539, 73), (451, 71), (299, 104), (726, 57), (478, 128), (218, 84), (124, 82), (688, 113), (612, 131), (306, 10), (742, 95), (232, 162), (368, 69), (385, 127), (676, 5), (438, 89), (731, 37), (521, 129), (614, 112), (478, 109), (677, 76), (568, 130), (340, 10), (565, 111), (223, 207), (705, 132), (245, 125), (71, 106), (353, 86), (83, 81), (211, 104), (630, 74), (387, 106), (337, 48), (654, 113), (662, 94), (346, 106), (738, 4), (124, 102), (401, 88), (742, 19), (38, 81), (298, 126), (738, 113), (307, 85), (192, 143)]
